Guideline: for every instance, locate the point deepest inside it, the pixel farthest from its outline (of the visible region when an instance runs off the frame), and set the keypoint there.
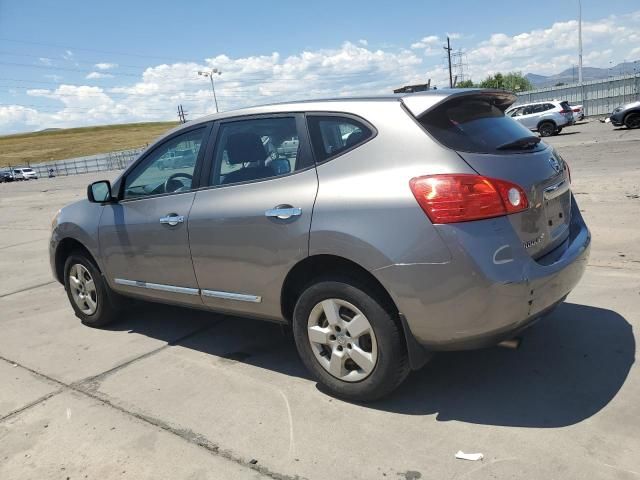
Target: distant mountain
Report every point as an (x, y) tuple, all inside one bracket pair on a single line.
[(570, 75)]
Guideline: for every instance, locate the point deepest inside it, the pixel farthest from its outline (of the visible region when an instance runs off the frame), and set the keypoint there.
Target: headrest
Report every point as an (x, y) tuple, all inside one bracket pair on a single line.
[(245, 147), (354, 137)]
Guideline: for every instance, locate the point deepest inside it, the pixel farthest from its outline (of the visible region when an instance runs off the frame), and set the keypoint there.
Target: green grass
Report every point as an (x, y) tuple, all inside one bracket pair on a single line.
[(38, 147)]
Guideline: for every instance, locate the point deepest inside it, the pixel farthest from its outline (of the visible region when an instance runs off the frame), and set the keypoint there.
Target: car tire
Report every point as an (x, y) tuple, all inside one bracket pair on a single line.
[(368, 365), (632, 120), (546, 129), (93, 303)]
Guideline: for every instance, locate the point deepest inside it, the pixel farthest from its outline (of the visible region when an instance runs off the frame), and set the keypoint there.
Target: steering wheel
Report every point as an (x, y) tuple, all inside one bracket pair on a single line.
[(171, 184)]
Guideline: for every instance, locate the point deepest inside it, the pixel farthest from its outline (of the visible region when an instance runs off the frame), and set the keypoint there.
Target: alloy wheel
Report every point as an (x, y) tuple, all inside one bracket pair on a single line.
[(633, 121), (342, 340), (83, 289)]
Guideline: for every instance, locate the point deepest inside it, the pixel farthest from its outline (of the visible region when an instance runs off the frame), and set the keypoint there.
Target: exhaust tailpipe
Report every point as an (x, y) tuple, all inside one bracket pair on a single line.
[(511, 344)]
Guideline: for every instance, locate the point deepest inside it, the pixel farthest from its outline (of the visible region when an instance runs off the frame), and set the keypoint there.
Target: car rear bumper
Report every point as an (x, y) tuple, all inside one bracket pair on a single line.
[(482, 297)]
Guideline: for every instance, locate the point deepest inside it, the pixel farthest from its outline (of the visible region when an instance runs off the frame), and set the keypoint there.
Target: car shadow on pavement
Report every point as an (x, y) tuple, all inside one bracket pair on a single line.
[(235, 339), (570, 365)]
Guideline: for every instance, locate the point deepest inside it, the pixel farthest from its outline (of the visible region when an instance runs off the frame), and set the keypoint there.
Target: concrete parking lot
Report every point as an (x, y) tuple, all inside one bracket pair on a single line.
[(174, 393)]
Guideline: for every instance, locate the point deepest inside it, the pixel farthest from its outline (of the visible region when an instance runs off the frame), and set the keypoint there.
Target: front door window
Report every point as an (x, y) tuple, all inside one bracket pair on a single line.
[(168, 169)]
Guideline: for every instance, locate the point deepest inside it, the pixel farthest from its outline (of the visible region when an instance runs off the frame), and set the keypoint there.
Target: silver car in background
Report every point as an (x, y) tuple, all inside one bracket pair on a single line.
[(547, 118), (381, 229)]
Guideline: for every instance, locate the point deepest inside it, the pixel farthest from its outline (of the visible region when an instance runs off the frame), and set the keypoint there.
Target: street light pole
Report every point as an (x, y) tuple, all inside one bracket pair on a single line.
[(580, 42), (210, 74)]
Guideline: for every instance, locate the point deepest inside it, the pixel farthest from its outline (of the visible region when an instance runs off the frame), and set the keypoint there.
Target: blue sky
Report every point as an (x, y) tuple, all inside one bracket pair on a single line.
[(73, 63)]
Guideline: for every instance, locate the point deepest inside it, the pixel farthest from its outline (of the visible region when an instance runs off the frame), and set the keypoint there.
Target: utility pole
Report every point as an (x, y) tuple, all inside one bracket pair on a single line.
[(181, 115), (580, 42), (210, 74), (448, 49)]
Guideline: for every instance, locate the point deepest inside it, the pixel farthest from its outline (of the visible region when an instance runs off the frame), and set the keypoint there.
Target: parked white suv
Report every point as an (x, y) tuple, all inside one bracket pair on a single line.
[(25, 174), (547, 118)]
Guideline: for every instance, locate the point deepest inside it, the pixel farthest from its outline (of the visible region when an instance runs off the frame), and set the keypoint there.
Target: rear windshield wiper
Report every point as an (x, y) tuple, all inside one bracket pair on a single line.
[(520, 144)]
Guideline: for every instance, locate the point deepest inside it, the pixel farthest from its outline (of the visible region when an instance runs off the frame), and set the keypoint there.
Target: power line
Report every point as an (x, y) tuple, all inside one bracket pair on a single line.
[(84, 49)]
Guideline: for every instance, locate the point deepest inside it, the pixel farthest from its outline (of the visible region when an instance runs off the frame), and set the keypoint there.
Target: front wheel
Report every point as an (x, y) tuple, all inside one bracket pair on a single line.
[(546, 129), (632, 120), (88, 293), (349, 341)]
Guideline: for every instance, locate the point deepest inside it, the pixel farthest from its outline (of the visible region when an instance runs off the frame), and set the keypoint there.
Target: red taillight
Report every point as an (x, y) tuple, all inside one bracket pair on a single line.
[(576, 109), (454, 198), (565, 111)]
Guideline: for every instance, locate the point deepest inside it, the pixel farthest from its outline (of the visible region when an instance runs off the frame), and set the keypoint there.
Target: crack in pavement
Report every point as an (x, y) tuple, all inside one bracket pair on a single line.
[(92, 383), (22, 243), (28, 288), (88, 388)]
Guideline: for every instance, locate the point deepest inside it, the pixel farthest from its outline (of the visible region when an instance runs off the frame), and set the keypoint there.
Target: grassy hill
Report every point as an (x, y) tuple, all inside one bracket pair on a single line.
[(76, 142)]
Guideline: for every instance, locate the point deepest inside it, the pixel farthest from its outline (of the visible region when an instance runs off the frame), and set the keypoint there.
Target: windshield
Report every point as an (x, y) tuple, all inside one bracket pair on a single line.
[(474, 124)]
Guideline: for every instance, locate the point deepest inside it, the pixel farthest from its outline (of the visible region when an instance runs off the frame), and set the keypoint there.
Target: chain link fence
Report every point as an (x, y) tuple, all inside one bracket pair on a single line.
[(598, 97), (94, 163)]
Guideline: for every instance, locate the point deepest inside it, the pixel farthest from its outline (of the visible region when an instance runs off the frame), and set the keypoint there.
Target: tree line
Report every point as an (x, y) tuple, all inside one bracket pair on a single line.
[(513, 81)]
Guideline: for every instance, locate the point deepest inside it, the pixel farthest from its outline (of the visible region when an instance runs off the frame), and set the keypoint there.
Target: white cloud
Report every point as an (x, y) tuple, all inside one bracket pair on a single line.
[(105, 66), (430, 45), (363, 42), (353, 68), (67, 55), (96, 75), (554, 49), (45, 61), (53, 76)]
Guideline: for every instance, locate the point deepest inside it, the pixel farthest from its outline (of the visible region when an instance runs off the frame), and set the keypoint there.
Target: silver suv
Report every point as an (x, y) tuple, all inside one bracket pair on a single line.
[(397, 227), (547, 118)]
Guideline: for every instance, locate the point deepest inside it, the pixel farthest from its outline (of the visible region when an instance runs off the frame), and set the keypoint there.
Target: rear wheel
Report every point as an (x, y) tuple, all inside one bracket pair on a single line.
[(546, 129), (90, 296), (632, 120), (349, 341)]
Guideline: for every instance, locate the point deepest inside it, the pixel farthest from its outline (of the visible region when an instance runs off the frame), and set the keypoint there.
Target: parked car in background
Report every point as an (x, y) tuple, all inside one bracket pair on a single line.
[(627, 115), (25, 174), (6, 176), (547, 118), (578, 112), (401, 226)]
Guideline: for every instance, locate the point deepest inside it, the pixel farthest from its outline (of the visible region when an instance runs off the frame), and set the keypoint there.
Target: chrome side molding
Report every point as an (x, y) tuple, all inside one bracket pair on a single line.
[(231, 296), (242, 297), (157, 286)]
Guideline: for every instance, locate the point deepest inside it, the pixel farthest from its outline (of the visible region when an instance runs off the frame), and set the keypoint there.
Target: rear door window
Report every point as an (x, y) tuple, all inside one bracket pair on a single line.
[(334, 135), (539, 108), (257, 149), (474, 124)]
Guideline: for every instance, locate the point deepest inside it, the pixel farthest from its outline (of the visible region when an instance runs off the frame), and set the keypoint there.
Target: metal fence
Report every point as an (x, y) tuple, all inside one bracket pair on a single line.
[(598, 97), (94, 163)]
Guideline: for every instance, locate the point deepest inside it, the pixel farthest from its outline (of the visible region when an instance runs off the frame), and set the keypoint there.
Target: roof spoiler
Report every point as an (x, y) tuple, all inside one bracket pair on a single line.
[(419, 104)]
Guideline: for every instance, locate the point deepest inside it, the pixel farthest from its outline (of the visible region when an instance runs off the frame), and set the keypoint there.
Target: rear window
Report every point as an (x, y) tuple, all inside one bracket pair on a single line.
[(474, 124), (334, 135), (565, 105)]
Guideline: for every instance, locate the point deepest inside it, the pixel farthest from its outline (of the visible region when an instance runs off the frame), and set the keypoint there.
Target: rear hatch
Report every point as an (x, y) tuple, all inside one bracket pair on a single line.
[(474, 125)]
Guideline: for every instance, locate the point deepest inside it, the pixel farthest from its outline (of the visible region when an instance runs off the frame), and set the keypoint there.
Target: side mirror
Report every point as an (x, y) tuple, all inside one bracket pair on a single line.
[(99, 192)]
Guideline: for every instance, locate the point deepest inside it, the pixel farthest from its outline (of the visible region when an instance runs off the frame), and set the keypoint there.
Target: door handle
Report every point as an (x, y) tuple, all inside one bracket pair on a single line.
[(283, 213), (172, 220)]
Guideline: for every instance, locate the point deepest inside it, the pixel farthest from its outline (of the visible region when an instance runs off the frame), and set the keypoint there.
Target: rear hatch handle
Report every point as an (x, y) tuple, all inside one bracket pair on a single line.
[(556, 190)]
